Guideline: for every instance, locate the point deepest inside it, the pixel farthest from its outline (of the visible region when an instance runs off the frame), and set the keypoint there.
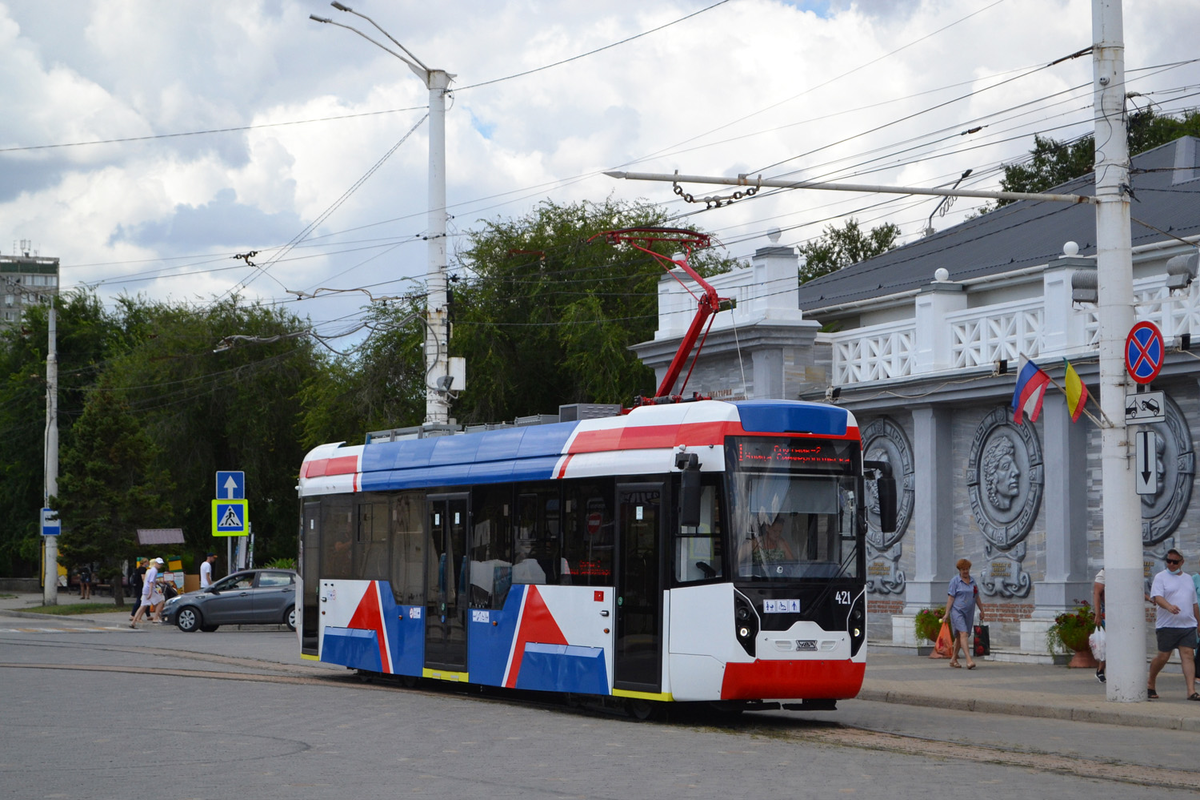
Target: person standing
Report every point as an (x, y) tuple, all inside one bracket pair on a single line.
[(148, 587), (85, 582), (1175, 626), (206, 570), (960, 610), (138, 580)]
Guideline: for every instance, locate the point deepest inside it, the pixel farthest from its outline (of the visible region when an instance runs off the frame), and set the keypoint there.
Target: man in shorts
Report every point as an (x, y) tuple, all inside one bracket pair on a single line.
[(1174, 594)]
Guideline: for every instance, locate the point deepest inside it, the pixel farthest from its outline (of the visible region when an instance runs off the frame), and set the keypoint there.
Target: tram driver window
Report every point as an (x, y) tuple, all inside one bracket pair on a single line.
[(698, 555)]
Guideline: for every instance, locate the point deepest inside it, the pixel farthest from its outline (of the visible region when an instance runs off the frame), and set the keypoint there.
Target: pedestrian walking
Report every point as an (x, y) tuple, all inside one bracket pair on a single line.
[(1175, 625), (148, 586), (137, 581), (960, 610), (1098, 611)]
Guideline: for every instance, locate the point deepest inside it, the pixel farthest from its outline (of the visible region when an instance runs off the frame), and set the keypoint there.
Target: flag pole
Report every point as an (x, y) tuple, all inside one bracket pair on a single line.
[(1086, 413)]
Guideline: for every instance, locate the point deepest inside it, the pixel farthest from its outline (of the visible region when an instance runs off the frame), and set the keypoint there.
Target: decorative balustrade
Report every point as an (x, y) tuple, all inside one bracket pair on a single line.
[(986, 335), (873, 353)]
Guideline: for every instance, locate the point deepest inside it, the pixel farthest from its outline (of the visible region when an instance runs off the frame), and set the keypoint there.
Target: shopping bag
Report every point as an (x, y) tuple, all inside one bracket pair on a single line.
[(1099, 642), (983, 641), (944, 645)]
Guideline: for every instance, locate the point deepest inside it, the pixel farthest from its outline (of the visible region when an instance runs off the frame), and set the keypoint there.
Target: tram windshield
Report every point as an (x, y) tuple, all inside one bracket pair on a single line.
[(789, 524)]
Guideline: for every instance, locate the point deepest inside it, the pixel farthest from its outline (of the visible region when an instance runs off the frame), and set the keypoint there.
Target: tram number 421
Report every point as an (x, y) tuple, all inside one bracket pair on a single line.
[(842, 598)]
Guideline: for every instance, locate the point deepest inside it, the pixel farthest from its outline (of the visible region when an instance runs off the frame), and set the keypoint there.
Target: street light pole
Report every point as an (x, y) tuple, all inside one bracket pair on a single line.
[(50, 463), (437, 332)]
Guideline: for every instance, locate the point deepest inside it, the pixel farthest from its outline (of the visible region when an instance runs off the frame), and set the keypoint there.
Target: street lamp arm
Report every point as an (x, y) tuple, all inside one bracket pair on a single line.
[(405, 50), (418, 70)]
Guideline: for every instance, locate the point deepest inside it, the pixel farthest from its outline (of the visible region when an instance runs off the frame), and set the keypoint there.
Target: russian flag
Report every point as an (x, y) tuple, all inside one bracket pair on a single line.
[(1031, 389)]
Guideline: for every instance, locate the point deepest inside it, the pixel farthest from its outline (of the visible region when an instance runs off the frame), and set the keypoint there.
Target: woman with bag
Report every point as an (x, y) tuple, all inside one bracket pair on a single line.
[(960, 611)]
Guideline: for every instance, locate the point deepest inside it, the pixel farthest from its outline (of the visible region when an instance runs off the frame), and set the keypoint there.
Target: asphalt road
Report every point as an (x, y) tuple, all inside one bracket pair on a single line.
[(235, 714)]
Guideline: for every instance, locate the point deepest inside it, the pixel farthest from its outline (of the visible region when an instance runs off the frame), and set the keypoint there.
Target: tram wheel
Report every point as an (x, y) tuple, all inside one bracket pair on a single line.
[(642, 710)]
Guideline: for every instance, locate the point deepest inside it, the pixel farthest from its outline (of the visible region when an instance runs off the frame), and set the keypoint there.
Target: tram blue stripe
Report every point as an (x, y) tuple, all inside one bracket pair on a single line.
[(779, 416), (563, 668)]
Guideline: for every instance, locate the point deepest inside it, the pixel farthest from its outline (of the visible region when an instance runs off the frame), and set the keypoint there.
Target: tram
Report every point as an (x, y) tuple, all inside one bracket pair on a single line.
[(707, 551)]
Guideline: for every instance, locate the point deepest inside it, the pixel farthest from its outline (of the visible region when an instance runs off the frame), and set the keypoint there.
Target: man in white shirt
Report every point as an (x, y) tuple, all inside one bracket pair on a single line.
[(1178, 616), (206, 571)]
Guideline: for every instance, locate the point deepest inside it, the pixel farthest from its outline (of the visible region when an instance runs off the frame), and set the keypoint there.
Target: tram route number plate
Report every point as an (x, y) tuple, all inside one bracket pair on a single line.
[(781, 606)]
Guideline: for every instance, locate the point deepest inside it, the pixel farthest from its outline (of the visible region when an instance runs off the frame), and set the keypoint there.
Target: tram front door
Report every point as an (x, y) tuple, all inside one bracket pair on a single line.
[(446, 597), (638, 653)]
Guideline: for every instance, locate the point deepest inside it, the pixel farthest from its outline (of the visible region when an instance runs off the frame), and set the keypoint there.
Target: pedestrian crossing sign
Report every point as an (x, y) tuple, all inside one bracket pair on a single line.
[(230, 518)]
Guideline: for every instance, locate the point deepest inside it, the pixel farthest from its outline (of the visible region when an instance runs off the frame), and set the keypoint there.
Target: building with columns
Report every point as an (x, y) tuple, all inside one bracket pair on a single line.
[(923, 344)]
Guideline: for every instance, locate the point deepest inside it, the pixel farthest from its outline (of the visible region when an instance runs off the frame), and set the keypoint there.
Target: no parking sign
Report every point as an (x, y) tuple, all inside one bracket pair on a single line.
[(1144, 352)]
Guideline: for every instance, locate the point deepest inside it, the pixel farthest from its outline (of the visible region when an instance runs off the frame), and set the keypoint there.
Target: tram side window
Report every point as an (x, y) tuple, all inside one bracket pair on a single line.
[(536, 556), (337, 537), (588, 533), (698, 552), (371, 549), (408, 531), (491, 546)]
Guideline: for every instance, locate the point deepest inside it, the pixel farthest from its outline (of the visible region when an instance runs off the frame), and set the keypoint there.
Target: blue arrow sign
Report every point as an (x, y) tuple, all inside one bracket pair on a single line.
[(231, 485)]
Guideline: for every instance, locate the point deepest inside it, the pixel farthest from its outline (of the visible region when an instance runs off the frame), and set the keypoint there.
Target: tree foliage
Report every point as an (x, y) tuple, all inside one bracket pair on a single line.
[(548, 313), (839, 247), (1051, 163), (112, 483)]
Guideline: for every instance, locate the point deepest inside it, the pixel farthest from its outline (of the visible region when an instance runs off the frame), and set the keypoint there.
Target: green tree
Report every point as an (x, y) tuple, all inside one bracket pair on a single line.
[(237, 409), (839, 247), (547, 314), (82, 344), (1051, 163), (110, 485)]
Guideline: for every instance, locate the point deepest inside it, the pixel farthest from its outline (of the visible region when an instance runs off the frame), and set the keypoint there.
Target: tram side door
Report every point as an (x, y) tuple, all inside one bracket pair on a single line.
[(637, 655), (446, 589)]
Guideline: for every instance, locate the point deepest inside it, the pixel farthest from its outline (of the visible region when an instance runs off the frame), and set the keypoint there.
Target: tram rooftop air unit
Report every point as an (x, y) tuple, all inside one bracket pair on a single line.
[(578, 411)]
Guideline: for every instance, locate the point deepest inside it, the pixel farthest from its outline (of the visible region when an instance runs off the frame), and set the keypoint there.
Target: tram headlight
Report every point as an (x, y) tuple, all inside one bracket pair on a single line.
[(745, 622), (744, 632)]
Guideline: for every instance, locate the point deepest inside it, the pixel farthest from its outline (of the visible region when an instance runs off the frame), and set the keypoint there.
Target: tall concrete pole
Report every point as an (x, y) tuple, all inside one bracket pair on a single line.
[(50, 579), (437, 333), (1124, 601)]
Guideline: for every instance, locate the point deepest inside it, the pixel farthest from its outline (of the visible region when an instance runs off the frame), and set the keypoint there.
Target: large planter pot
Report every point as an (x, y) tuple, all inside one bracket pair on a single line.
[(1083, 659), (924, 650)]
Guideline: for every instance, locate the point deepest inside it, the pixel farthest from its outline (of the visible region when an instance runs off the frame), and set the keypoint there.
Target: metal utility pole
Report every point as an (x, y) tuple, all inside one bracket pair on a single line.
[(50, 543), (1124, 603), (437, 330)]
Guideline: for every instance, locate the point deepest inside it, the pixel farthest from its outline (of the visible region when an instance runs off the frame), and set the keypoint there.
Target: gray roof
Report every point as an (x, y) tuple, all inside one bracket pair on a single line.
[(1026, 233)]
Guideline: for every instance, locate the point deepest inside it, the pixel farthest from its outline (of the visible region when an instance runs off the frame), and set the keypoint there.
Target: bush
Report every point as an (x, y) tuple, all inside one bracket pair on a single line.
[(929, 623), (1071, 629), (281, 563)]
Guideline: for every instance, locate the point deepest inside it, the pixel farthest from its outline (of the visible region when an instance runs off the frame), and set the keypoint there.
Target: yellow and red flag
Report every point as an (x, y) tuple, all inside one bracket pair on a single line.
[(1077, 393)]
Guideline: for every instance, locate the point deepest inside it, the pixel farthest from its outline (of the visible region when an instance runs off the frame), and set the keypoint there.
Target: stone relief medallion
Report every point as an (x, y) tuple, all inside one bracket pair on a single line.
[(1005, 479), (1175, 465), (884, 440)]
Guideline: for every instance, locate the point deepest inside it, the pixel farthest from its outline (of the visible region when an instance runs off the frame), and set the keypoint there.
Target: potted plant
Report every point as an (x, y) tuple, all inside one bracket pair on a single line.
[(928, 624), (1070, 632)]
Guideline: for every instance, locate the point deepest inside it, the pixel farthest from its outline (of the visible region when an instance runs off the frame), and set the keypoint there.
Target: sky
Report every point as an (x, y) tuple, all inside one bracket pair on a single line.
[(147, 144)]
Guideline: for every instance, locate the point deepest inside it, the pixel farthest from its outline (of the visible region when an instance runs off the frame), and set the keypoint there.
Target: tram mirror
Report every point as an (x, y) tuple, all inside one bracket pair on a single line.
[(689, 489), (885, 488), (887, 503)]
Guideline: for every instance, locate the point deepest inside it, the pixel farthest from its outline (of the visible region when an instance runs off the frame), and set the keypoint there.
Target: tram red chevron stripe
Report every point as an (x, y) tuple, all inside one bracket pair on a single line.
[(369, 617), (537, 625), (648, 437)]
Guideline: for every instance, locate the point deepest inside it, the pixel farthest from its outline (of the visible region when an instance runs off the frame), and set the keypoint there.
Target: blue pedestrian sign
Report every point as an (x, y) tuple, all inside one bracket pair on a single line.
[(1144, 352), (230, 518), (231, 485), (50, 523)]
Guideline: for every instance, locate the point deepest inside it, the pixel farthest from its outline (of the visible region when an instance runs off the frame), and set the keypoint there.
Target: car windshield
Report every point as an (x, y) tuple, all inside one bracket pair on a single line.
[(788, 526)]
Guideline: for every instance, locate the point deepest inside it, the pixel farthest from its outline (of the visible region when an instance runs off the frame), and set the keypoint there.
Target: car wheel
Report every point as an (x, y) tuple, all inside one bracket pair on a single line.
[(289, 617), (209, 628), (188, 619)]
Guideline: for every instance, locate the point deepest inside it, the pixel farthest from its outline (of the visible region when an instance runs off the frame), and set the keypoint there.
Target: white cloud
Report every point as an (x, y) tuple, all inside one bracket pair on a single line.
[(750, 85)]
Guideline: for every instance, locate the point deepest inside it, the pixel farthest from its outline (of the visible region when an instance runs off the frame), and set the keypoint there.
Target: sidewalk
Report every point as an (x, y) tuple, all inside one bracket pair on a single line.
[(898, 676)]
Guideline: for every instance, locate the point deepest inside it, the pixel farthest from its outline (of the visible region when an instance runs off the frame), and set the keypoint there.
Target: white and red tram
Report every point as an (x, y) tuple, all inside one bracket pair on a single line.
[(688, 552)]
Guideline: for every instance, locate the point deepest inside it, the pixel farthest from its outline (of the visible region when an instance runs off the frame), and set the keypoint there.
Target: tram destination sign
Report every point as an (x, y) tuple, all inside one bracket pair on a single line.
[(792, 454)]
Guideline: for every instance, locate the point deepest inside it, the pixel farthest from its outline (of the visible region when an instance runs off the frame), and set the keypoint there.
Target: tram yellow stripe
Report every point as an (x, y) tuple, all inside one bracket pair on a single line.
[(445, 675), (307, 657), (663, 697)]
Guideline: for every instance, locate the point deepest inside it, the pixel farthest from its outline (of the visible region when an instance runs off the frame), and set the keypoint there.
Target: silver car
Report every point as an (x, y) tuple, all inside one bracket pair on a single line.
[(249, 597)]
